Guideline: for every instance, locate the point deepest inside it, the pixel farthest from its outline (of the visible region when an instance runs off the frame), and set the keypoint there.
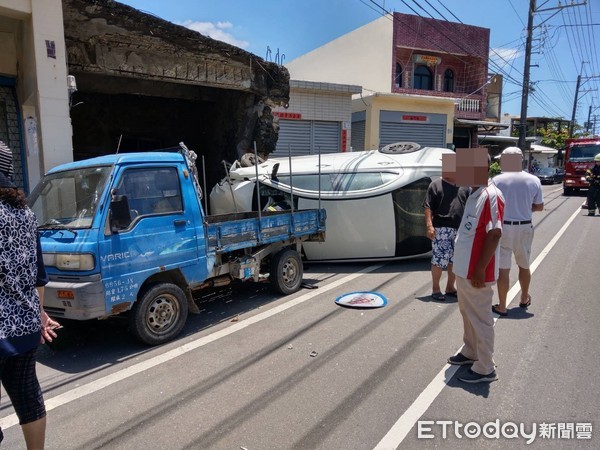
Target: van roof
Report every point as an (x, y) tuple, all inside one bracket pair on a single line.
[(121, 158)]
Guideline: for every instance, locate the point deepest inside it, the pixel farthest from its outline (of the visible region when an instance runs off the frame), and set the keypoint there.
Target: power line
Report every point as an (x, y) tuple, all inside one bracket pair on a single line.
[(467, 51), (439, 13), (396, 18), (449, 11), (579, 34)]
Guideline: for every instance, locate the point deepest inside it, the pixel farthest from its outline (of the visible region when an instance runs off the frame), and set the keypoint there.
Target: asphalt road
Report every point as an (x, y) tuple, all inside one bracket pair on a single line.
[(259, 371)]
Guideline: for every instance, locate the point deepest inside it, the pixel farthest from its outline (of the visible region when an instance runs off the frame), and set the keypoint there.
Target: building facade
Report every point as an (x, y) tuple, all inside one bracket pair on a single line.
[(434, 71), (34, 96), (316, 120), (80, 79), (144, 83)]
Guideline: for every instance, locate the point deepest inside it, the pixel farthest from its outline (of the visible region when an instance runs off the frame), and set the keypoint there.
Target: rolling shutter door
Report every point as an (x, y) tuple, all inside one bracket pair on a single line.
[(357, 138), (428, 135), (326, 137), (307, 137), (294, 133)]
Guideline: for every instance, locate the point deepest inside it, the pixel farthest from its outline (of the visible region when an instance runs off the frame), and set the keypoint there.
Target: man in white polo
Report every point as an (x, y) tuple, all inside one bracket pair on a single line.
[(523, 195)]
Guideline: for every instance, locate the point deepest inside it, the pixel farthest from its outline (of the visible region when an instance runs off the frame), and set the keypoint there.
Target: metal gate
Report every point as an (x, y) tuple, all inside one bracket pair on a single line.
[(307, 137), (357, 139), (10, 130)]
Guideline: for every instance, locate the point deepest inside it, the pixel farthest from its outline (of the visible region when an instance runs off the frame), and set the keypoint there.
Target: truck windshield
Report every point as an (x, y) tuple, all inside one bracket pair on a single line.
[(583, 152), (69, 199)]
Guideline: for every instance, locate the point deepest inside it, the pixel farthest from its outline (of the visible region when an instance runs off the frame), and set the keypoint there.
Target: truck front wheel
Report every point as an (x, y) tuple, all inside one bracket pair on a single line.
[(159, 315), (286, 271)]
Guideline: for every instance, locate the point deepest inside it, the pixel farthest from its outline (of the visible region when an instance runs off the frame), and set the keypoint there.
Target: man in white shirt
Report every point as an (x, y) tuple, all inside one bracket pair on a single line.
[(523, 195)]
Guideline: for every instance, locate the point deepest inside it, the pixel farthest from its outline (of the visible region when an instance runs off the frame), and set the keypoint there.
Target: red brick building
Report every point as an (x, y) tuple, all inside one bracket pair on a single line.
[(423, 80), (444, 59)]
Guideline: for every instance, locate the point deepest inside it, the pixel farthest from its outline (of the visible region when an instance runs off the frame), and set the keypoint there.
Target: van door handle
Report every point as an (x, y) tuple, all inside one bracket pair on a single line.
[(179, 222)]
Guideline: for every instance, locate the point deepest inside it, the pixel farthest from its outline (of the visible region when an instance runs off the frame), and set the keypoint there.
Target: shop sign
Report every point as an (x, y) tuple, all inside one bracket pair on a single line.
[(415, 118), (287, 115), (428, 59)]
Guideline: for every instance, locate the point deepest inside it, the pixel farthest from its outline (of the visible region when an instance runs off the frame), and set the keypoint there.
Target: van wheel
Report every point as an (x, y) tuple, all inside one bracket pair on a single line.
[(159, 314), (567, 191), (286, 271)]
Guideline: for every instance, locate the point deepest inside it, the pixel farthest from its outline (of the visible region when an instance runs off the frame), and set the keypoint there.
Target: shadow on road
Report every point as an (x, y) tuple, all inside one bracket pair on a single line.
[(85, 348), (478, 389)]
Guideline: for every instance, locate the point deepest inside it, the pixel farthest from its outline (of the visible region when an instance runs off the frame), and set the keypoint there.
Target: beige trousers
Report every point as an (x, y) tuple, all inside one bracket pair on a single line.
[(475, 305)]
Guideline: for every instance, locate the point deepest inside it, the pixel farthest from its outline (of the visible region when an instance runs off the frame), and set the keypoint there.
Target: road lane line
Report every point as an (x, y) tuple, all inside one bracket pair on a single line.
[(101, 383), (406, 422)]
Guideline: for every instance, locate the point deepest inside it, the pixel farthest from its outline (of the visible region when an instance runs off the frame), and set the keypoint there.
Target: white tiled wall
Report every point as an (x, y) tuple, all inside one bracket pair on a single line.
[(320, 106)]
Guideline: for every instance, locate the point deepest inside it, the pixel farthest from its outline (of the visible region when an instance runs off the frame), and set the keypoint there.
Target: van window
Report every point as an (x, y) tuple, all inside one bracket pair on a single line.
[(70, 198), (339, 182), (151, 191)]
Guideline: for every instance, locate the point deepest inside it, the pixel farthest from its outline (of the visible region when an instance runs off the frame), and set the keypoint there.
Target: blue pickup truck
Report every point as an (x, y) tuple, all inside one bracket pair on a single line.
[(127, 233)]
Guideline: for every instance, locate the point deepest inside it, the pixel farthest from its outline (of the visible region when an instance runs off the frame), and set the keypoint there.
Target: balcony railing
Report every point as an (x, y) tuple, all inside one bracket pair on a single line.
[(469, 105)]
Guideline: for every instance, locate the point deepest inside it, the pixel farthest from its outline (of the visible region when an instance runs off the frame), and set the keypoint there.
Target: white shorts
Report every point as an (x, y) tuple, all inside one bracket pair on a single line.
[(517, 240)]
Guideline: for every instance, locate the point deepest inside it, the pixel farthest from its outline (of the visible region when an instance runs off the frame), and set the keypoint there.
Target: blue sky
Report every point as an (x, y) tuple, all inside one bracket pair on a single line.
[(565, 45)]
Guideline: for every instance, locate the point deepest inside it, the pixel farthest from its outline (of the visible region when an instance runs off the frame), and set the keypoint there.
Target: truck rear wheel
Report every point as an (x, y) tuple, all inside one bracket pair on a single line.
[(159, 315), (286, 271)]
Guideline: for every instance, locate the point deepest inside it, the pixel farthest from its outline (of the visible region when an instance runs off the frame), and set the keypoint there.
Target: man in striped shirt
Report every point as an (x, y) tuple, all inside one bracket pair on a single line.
[(476, 255)]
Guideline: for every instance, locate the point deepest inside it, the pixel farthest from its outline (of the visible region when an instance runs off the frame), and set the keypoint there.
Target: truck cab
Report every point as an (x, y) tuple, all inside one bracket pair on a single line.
[(579, 157)]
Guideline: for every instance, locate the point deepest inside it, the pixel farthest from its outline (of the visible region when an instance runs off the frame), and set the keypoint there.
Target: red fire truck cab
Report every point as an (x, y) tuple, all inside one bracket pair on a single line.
[(579, 156)]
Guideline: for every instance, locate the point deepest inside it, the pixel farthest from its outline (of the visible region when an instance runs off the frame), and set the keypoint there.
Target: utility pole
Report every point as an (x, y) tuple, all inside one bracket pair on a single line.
[(526, 69), (572, 125), (579, 78), (587, 124)]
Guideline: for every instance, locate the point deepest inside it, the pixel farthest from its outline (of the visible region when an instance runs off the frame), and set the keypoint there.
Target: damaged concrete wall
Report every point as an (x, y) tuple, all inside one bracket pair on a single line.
[(149, 80)]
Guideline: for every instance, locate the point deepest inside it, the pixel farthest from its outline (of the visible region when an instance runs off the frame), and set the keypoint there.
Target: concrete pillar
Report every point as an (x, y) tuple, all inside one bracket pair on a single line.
[(46, 115)]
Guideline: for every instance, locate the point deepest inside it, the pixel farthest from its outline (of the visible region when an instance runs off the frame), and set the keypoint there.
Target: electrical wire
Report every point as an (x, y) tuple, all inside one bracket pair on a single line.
[(579, 34), (461, 47)]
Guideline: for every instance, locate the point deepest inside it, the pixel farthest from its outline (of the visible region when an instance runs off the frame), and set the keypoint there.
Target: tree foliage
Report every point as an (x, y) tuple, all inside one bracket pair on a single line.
[(494, 169), (551, 137)]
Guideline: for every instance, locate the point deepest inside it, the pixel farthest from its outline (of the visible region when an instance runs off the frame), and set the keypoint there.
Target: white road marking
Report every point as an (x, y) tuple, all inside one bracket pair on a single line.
[(405, 423), (101, 383)]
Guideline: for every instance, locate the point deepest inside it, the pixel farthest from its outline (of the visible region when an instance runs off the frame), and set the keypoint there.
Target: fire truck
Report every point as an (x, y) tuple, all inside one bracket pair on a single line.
[(579, 156)]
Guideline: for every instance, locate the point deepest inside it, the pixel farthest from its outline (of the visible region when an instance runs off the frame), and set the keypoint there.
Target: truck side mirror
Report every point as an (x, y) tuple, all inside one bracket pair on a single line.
[(120, 217)]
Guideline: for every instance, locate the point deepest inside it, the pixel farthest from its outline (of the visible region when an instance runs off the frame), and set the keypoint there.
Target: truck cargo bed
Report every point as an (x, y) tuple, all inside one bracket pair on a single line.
[(228, 232)]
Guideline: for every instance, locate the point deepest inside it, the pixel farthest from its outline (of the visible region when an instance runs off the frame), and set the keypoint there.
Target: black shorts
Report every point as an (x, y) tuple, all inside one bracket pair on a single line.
[(22, 386)]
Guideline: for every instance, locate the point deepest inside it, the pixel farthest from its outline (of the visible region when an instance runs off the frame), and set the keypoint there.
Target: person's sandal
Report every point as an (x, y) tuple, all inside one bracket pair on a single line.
[(438, 296), (497, 311), (527, 303)]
